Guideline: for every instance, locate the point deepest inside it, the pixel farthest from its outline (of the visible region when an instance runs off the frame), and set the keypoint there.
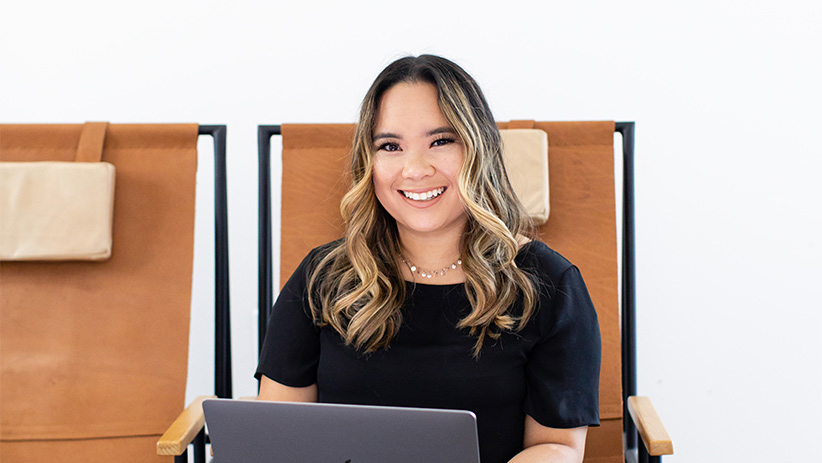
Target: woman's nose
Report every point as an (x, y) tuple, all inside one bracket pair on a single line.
[(417, 166)]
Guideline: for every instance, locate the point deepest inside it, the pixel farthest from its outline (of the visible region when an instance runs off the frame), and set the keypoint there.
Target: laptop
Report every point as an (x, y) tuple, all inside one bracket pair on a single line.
[(250, 431)]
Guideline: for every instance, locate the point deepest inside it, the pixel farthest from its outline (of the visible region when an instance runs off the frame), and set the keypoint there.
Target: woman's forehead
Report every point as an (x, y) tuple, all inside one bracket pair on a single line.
[(410, 109)]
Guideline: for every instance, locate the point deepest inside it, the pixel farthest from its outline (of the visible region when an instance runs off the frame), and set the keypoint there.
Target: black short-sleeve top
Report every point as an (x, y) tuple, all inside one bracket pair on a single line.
[(548, 370)]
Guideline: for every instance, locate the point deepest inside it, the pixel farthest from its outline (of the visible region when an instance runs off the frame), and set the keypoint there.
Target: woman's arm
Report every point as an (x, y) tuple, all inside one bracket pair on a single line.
[(274, 391), (551, 445)]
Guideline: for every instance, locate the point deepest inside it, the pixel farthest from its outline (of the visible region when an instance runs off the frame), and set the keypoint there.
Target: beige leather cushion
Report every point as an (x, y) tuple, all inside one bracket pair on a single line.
[(56, 210), (525, 152)]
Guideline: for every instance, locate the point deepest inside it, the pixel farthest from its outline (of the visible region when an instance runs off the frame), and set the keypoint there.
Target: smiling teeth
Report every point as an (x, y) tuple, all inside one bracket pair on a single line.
[(426, 196)]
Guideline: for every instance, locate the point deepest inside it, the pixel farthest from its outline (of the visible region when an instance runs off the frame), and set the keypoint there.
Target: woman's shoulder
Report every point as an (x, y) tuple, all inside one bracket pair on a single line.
[(536, 256), (324, 249), (313, 258), (562, 290)]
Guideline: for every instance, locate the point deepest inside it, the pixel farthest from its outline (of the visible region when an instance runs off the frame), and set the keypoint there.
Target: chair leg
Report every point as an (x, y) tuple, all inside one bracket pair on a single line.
[(200, 447), (643, 457), (183, 458)]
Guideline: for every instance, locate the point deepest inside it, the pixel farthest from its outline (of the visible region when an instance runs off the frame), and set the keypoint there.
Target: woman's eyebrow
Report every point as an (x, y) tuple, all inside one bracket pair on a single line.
[(440, 130), (386, 135), (437, 131)]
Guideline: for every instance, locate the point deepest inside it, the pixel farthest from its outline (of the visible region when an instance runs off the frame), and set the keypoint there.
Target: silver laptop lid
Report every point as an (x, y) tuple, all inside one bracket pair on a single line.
[(286, 432)]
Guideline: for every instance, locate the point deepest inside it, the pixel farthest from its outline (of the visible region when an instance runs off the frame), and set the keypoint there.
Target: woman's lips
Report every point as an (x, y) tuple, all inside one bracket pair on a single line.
[(425, 195)]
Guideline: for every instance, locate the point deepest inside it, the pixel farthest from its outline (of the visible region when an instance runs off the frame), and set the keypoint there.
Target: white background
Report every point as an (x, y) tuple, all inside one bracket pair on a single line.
[(726, 96)]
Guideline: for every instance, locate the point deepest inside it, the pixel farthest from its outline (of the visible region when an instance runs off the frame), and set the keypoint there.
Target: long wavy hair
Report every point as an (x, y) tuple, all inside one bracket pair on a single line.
[(357, 288)]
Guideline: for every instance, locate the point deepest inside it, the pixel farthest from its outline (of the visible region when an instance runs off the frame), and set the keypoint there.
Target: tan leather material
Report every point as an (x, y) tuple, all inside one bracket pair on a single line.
[(91, 350), (315, 163), (122, 450), (525, 152), (582, 227), (56, 210), (92, 138), (520, 124), (604, 442)]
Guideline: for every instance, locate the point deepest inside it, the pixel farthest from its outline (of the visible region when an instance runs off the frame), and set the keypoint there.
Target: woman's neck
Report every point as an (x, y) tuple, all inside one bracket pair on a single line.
[(437, 256)]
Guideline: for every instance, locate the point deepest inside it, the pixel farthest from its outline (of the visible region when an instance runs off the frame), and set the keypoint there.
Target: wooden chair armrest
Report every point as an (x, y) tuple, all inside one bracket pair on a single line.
[(184, 429), (649, 426)]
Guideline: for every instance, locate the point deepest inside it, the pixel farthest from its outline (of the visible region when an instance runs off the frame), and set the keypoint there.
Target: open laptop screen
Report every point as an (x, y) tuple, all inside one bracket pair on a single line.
[(273, 432)]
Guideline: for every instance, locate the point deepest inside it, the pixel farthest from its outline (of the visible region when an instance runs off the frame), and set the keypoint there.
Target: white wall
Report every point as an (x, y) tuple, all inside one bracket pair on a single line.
[(726, 96)]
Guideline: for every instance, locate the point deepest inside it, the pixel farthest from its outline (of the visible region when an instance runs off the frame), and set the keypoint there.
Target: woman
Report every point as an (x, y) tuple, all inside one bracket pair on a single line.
[(436, 296)]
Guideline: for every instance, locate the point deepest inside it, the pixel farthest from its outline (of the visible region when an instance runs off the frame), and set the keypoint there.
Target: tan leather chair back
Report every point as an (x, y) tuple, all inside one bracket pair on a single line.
[(93, 355), (582, 227)]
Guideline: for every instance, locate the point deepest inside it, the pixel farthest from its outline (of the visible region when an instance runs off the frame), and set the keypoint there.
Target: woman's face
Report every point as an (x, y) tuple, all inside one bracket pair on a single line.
[(417, 162)]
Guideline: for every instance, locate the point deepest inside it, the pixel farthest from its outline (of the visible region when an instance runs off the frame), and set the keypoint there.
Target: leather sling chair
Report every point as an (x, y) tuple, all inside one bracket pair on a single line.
[(582, 226), (94, 353)]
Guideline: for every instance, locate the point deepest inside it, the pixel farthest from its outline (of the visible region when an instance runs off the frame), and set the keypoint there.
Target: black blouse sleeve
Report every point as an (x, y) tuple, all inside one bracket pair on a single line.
[(562, 372), (291, 348)]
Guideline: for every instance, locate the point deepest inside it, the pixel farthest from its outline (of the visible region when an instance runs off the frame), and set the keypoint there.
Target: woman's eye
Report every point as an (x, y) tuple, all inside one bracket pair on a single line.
[(442, 141), (388, 147)]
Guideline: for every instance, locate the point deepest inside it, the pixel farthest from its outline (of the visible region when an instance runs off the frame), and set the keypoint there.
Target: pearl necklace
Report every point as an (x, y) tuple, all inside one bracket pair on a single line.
[(427, 274)]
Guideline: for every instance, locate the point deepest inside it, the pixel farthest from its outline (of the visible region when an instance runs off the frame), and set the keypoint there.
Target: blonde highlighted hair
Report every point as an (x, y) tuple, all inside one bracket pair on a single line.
[(357, 288)]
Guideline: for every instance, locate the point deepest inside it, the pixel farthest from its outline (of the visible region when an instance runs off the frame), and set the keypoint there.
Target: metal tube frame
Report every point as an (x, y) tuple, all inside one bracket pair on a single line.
[(628, 281), (265, 298), (626, 129), (199, 445), (222, 335), (222, 313)]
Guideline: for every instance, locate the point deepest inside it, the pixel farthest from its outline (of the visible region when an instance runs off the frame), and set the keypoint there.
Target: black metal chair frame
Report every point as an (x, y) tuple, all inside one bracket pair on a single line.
[(222, 322), (629, 368)]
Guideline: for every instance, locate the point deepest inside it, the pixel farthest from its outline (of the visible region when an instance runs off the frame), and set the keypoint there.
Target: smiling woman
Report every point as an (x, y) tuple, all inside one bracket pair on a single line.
[(437, 297), (416, 167)]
